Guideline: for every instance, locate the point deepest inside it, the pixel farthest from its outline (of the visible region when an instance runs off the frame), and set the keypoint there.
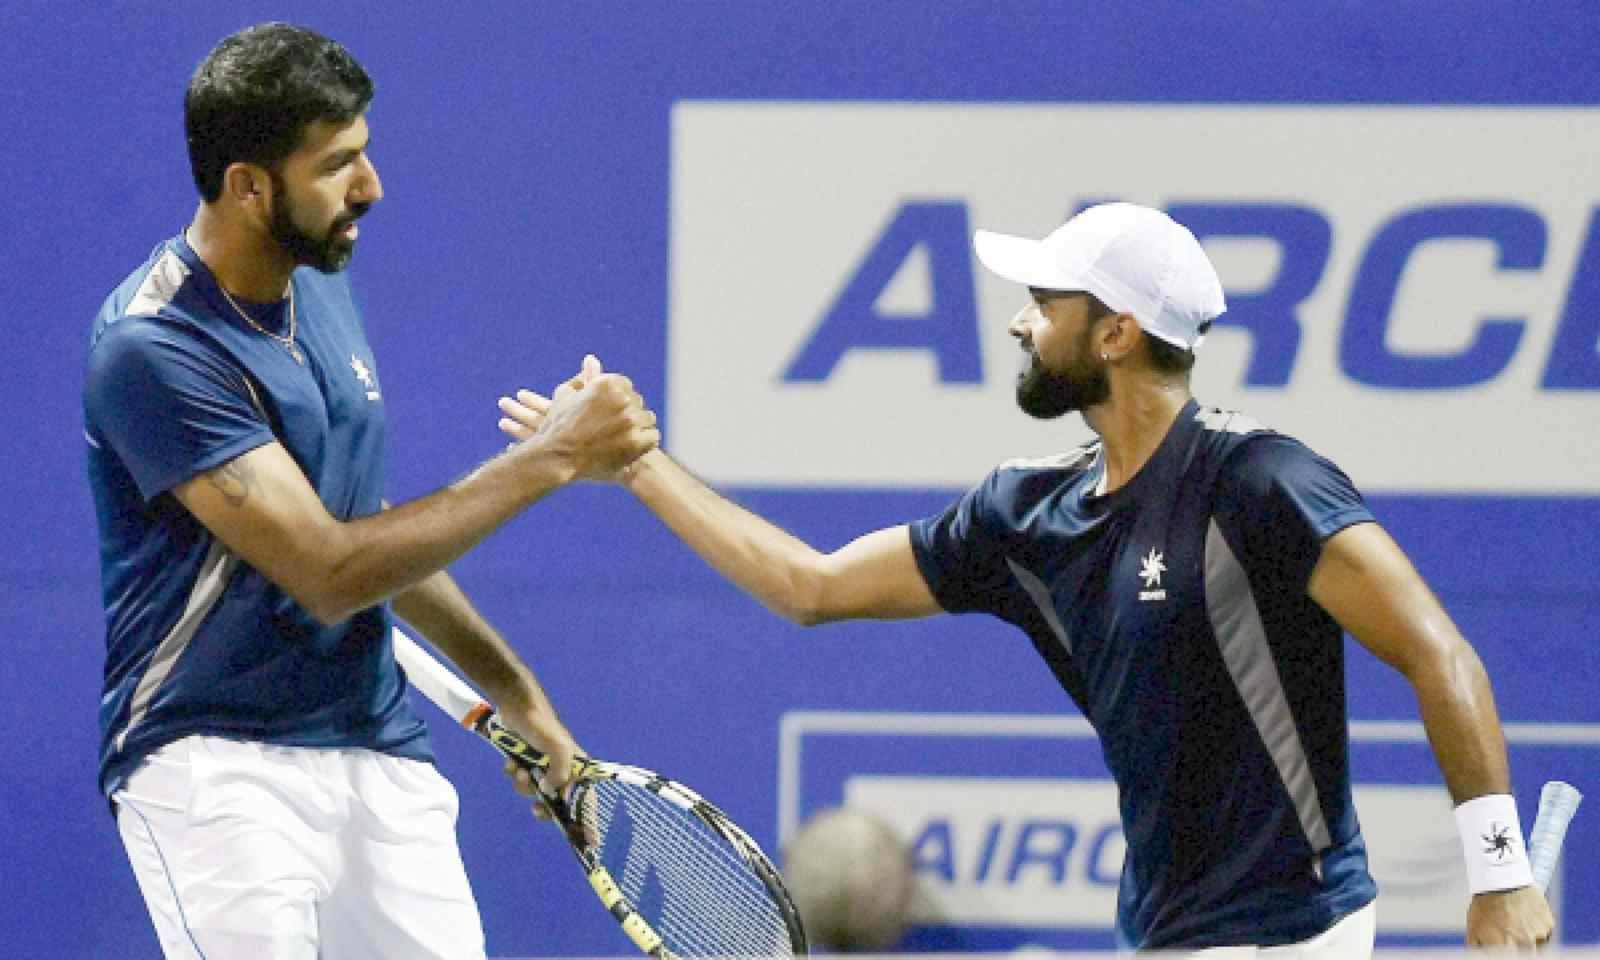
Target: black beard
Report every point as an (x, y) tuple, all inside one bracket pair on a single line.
[(328, 253), (1046, 395)]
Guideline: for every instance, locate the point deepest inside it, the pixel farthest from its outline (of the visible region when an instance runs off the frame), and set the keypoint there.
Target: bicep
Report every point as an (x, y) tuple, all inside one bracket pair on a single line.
[(875, 577), (262, 507), (1365, 582)]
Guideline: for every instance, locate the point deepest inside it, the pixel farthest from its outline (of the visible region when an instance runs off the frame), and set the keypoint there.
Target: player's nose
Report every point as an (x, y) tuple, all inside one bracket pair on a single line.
[(1020, 321), (368, 187)]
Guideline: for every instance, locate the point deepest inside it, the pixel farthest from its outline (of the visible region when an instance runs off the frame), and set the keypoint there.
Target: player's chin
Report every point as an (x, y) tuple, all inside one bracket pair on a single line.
[(1036, 401), (335, 258), (338, 248)]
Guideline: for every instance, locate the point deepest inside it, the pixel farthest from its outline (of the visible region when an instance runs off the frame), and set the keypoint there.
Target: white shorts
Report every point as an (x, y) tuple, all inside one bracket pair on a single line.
[(1350, 939), (244, 850)]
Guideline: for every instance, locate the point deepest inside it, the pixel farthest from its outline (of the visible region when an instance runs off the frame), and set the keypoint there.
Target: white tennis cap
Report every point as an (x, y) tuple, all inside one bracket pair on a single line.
[(1135, 259)]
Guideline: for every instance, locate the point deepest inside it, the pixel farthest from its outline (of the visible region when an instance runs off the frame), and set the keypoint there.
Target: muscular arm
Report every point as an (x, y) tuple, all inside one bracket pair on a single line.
[(1366, 583), (872, 577), (265, 510)]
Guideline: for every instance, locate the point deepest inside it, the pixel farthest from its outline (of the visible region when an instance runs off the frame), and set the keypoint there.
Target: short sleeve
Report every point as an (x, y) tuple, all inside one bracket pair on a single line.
[(961, 555), (169, 406), (1282, 502)]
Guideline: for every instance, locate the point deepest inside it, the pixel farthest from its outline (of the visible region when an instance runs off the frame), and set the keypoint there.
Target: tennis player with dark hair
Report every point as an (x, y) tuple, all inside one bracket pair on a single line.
[(1187, 577), (271, 784)]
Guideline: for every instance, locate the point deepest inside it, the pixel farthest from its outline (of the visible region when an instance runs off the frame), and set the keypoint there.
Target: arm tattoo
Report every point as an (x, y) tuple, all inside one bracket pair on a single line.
[(233, 480)]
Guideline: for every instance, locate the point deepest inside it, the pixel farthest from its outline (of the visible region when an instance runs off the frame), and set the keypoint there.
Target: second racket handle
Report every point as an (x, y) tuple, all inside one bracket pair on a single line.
[(1558, 802)]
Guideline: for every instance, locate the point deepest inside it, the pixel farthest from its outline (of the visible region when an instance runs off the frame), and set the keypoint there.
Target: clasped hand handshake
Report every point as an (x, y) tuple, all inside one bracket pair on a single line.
[(595, 422)]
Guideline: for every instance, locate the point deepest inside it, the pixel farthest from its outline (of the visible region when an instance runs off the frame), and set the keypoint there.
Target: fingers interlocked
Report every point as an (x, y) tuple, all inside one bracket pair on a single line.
[(596, 419)]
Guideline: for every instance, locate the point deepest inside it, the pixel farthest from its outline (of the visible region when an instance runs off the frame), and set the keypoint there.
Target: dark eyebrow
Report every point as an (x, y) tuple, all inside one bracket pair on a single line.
[(341, 157)]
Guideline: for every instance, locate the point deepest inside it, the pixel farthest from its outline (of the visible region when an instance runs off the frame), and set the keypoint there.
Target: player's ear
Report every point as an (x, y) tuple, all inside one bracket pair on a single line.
[(247, 185), (1118, 333)]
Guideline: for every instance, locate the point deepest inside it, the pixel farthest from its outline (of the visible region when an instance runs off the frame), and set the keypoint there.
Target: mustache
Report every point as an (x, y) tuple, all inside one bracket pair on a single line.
[(357, 211)]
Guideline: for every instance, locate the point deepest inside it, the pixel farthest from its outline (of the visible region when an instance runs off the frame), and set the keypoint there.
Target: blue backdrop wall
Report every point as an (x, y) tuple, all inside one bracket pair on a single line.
[(547, 170)]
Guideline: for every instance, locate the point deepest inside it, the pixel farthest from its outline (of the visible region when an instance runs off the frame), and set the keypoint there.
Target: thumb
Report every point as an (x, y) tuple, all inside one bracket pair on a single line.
[(559, 770), (591, 367)]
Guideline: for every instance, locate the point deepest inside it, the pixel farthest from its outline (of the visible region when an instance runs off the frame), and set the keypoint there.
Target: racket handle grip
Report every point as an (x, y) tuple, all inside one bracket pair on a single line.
[(1558, 801)]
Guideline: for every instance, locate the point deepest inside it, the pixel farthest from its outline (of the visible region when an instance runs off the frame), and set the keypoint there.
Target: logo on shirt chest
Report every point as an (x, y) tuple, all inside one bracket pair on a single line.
[(364, 375), (1150, 570)]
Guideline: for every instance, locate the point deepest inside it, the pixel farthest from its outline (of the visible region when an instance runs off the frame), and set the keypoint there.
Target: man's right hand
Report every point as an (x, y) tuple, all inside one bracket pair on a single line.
[(1510, 918), (596, 422)]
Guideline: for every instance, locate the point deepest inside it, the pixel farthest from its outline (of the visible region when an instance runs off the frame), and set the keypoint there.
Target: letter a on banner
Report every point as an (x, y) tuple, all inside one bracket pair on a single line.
[(933, 851), (949, 329)]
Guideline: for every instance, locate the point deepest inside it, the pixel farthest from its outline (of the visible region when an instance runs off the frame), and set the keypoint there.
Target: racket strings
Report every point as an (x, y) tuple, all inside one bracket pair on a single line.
[(694, 888), (681, 876)]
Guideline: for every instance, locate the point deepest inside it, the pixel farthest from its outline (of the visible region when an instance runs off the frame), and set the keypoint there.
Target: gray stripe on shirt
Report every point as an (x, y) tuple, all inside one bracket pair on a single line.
[(215, 572), (1236, 621), (1041, 598)]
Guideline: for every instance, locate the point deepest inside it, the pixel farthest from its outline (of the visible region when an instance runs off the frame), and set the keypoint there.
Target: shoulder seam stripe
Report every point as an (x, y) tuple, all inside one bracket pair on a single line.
[(1056, 461), (160, 285)]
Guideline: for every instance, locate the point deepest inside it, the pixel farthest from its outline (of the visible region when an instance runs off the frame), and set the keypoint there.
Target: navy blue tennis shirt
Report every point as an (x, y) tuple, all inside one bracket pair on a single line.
[(198, 642), (1174, 612)]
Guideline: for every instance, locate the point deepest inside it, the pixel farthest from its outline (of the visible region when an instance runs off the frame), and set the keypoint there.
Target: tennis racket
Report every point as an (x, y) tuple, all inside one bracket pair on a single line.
[(681, 878), (1558, 801)]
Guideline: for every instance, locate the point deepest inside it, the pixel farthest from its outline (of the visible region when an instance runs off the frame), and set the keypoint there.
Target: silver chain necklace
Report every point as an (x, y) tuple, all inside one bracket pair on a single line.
[(288, 342)]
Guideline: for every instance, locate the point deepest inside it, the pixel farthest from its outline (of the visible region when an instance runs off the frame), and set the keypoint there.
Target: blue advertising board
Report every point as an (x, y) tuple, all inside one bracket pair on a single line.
[(1011, 823)]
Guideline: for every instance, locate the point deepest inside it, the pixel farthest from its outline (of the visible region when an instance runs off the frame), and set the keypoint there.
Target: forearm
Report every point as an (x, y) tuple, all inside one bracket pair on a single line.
[(777, 569), (1464, 729), (370, 559), (441, 612), (1463, 726)]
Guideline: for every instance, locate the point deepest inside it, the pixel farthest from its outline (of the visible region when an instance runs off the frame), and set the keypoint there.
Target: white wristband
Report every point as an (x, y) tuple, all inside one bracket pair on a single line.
[(1491, 840)]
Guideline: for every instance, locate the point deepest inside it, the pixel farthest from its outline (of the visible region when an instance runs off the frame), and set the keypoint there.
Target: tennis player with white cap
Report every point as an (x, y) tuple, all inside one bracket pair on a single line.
[(1188, 578)]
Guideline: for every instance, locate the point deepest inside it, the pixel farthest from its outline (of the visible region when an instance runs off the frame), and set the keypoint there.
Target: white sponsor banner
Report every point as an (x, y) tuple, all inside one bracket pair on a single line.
[(1048, 853), (1414, 854), (778, 207), (1034, 853)]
